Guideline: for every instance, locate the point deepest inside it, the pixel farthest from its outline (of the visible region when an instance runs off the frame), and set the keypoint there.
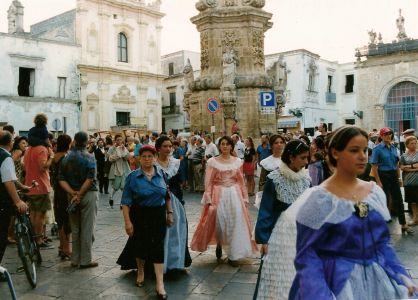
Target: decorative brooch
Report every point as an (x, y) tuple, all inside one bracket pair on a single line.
[(362, 209)]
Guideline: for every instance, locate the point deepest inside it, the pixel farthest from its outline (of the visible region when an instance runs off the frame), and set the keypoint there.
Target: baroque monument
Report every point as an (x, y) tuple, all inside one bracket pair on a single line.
[(233, 68)]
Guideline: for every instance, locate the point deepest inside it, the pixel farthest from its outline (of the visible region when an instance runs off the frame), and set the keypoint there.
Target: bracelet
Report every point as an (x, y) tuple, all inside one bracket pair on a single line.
[(169, 212)]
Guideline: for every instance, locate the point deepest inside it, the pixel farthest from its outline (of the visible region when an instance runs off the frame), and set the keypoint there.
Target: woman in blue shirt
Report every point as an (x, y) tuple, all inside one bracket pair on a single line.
[(147, 212)]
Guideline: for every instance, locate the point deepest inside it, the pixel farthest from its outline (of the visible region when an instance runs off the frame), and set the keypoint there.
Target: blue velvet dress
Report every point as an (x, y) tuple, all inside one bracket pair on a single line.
[(341, 254)]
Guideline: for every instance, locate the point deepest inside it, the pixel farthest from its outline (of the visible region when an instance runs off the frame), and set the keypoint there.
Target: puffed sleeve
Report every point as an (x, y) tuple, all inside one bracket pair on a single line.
[(209, 177), (309, 282), (268, 213), (127, 195)]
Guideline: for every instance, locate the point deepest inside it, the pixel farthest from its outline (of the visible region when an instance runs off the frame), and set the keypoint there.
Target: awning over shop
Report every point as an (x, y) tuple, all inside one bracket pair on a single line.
[(288, 123)]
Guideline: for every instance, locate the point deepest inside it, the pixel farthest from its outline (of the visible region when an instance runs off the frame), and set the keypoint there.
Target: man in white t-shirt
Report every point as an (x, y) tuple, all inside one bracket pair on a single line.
[(9, 199), (239, 146), (211, 150)]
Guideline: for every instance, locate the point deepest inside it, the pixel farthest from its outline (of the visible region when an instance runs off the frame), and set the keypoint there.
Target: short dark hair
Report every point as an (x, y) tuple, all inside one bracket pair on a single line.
[(159, 142), (40, 120), (149, 148), (63, 143), (5, 138), (293, 148), (274, 137), (81, 138), (9, 128), (341, 137)]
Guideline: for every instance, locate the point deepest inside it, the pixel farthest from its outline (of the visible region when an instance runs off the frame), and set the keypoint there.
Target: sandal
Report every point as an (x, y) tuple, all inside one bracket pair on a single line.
[(407, 230)]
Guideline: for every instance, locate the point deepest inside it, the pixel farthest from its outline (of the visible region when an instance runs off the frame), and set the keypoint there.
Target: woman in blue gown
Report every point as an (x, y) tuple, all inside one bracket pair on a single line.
[(343, 246), (177, 256)]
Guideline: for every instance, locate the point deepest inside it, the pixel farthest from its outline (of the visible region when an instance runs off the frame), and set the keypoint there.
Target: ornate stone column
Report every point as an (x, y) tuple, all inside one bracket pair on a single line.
[(232, 65)]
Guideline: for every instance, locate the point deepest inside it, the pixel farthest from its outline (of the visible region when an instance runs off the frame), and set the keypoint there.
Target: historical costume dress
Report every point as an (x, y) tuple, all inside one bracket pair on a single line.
[(269, 164), (282, 188), (225, 218), (176, 252), (342, 249)]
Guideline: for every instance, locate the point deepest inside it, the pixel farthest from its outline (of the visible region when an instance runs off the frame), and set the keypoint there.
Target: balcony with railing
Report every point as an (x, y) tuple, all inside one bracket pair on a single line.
[(330, 97), (171, 110)]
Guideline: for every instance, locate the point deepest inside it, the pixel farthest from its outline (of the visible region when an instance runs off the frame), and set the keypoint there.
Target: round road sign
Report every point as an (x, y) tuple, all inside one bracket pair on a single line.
[(213, 105)]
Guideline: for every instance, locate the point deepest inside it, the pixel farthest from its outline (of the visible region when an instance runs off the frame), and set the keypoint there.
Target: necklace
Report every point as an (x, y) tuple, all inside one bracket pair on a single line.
[(163, 163), (148, 174)]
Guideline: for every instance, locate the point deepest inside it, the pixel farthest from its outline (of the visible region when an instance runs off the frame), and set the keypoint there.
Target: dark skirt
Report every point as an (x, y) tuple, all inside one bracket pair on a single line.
[(147, 242), (61, 202), (411, 194)]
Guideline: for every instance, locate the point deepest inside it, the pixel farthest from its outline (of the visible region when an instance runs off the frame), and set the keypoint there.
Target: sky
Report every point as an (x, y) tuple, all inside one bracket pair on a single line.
[(329, 28)]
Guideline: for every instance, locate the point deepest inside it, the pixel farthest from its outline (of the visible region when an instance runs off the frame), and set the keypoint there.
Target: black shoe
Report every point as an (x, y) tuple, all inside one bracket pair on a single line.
[(111, 203), (218, 252), (101, 191), (106, 192), (45, 246)]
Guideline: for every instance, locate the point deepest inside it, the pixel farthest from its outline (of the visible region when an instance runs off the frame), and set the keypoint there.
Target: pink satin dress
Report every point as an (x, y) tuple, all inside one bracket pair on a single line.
[(225, 218)]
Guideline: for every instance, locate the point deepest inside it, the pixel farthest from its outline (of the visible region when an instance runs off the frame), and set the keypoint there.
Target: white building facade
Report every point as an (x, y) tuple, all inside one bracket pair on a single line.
[(39, 75), (120, 63), (173, 88)]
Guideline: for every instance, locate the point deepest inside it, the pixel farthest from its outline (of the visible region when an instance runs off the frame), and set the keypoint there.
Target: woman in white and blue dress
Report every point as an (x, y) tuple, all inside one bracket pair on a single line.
[(343, 246), (283, 186), (177, 256), (337, 237)]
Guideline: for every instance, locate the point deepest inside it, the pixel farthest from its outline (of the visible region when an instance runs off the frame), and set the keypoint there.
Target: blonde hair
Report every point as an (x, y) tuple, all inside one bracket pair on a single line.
[(409, 139)]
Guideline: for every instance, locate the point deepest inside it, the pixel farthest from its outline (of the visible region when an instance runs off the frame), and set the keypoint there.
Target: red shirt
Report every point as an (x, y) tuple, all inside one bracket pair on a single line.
[(35, 159)]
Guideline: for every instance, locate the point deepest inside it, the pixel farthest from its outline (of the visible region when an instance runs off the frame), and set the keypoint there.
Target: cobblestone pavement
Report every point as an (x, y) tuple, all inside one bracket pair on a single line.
[(205, 279)]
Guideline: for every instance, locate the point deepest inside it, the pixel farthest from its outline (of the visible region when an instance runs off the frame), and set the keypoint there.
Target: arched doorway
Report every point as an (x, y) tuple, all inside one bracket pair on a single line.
[(401, 108)]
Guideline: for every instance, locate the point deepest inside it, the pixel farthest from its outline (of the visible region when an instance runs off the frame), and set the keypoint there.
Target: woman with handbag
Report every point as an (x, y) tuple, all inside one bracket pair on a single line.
[(409, 167)]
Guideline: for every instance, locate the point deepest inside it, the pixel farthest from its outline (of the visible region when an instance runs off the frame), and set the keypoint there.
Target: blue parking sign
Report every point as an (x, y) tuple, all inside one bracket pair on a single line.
[(267, 99), (267, 103)]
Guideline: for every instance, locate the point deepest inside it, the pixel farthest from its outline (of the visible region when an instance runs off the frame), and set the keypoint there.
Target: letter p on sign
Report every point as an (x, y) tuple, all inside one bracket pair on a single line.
[(267, 99)]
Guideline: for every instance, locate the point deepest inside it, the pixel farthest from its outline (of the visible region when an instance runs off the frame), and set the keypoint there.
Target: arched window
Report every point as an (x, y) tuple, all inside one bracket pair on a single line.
[(122, 47), (401, 106)]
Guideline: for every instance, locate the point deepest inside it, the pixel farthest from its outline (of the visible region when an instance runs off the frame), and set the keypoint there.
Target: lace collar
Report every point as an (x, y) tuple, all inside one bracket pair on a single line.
[(285, 171), (172, 169)]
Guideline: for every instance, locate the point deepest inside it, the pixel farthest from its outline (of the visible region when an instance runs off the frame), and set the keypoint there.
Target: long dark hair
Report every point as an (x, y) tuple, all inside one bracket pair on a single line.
[(160, 141), (340, 139)]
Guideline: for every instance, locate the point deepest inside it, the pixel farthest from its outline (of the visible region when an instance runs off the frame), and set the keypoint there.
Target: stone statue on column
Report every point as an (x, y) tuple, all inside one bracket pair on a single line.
[(228, 88), (188, 86), (400, 24)]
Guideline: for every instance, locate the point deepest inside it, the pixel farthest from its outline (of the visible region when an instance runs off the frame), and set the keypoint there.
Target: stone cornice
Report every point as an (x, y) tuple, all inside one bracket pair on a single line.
[(223, 16), (38, 99), (114, 71), (131, 7), (392, 59)]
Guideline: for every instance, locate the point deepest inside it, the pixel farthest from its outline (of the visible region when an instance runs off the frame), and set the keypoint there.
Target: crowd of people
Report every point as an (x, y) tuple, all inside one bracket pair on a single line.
[(324, 203)]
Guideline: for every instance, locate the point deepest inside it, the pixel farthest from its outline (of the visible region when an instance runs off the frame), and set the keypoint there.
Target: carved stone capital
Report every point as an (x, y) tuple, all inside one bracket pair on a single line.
[(205, 4), (254, 3)]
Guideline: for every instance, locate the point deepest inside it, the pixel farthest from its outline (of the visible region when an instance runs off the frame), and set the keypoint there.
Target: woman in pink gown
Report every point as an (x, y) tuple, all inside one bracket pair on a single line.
[(225, 219)]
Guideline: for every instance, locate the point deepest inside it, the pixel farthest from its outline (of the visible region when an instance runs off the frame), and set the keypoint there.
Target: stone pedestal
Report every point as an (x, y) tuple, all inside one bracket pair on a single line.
[(232, 67)]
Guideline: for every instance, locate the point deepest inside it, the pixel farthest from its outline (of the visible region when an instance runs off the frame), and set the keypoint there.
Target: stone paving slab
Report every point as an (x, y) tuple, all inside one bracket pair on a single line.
[(204, 280)]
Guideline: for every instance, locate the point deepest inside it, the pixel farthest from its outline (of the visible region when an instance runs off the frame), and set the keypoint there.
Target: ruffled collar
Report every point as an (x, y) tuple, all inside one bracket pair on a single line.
[(172, 169), (270, 163), (318, 206), (288, 173), (233, 164)]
